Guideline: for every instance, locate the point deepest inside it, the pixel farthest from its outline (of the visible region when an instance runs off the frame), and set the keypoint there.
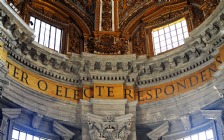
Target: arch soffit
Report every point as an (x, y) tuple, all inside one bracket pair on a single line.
[(152, 12), (66, 12)]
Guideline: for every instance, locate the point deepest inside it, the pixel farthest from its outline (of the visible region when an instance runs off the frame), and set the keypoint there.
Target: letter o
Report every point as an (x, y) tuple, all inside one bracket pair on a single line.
[(172, 88), (44, 83)]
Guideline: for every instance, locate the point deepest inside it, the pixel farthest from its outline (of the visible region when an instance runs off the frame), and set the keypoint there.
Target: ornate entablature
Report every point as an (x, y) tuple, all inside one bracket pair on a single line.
[(137, 72), (113, 96)]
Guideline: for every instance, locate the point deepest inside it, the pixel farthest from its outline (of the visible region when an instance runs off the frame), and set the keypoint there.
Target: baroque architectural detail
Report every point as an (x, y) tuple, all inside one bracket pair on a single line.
[(75, 9), (138, 41), (155, 84), (198, 16), (140, 10), (197, 51), (109, 127), (109, 44), (65, 133), (185, 119), (37, 118), (209, 6), (74, 40), (158, 132), (167, 17), (86, 5), (107, 15), (2, 84), (126, 6), (8, 114)]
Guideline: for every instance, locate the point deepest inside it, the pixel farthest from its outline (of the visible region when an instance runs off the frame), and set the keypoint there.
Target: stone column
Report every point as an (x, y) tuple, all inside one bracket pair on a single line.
[(215, 115), (131, 108), (8, 114), (86, 107)]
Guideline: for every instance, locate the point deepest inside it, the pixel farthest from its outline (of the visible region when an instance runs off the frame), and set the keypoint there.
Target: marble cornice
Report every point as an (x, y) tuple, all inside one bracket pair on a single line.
[(80, 68)]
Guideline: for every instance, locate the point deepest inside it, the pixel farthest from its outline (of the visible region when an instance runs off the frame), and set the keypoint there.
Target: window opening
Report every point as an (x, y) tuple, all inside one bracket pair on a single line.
[(169, 36), (21, 135), (46, 34), (204, 135)]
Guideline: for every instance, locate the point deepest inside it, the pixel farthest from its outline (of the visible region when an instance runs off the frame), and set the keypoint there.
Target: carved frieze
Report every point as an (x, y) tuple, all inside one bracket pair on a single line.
[(109, 127), (108, 44)]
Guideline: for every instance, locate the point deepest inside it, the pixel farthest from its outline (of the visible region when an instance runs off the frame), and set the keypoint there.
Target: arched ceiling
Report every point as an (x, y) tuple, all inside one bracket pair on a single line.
[(130, 12), (120, 19)]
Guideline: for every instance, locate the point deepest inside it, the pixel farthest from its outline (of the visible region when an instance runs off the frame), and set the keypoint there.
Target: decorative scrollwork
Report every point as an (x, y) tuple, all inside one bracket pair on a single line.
[(209, 6), (74, 44), (139, 42), (107, 15), (107, 44), (109, 128)]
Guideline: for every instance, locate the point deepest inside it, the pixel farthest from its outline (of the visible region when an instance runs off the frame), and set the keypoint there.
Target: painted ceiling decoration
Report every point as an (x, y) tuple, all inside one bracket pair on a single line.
[(88, 25)]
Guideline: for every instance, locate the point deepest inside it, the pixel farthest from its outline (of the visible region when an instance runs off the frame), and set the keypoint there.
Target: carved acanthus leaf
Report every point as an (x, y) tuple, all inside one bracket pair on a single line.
[(109, 127)]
